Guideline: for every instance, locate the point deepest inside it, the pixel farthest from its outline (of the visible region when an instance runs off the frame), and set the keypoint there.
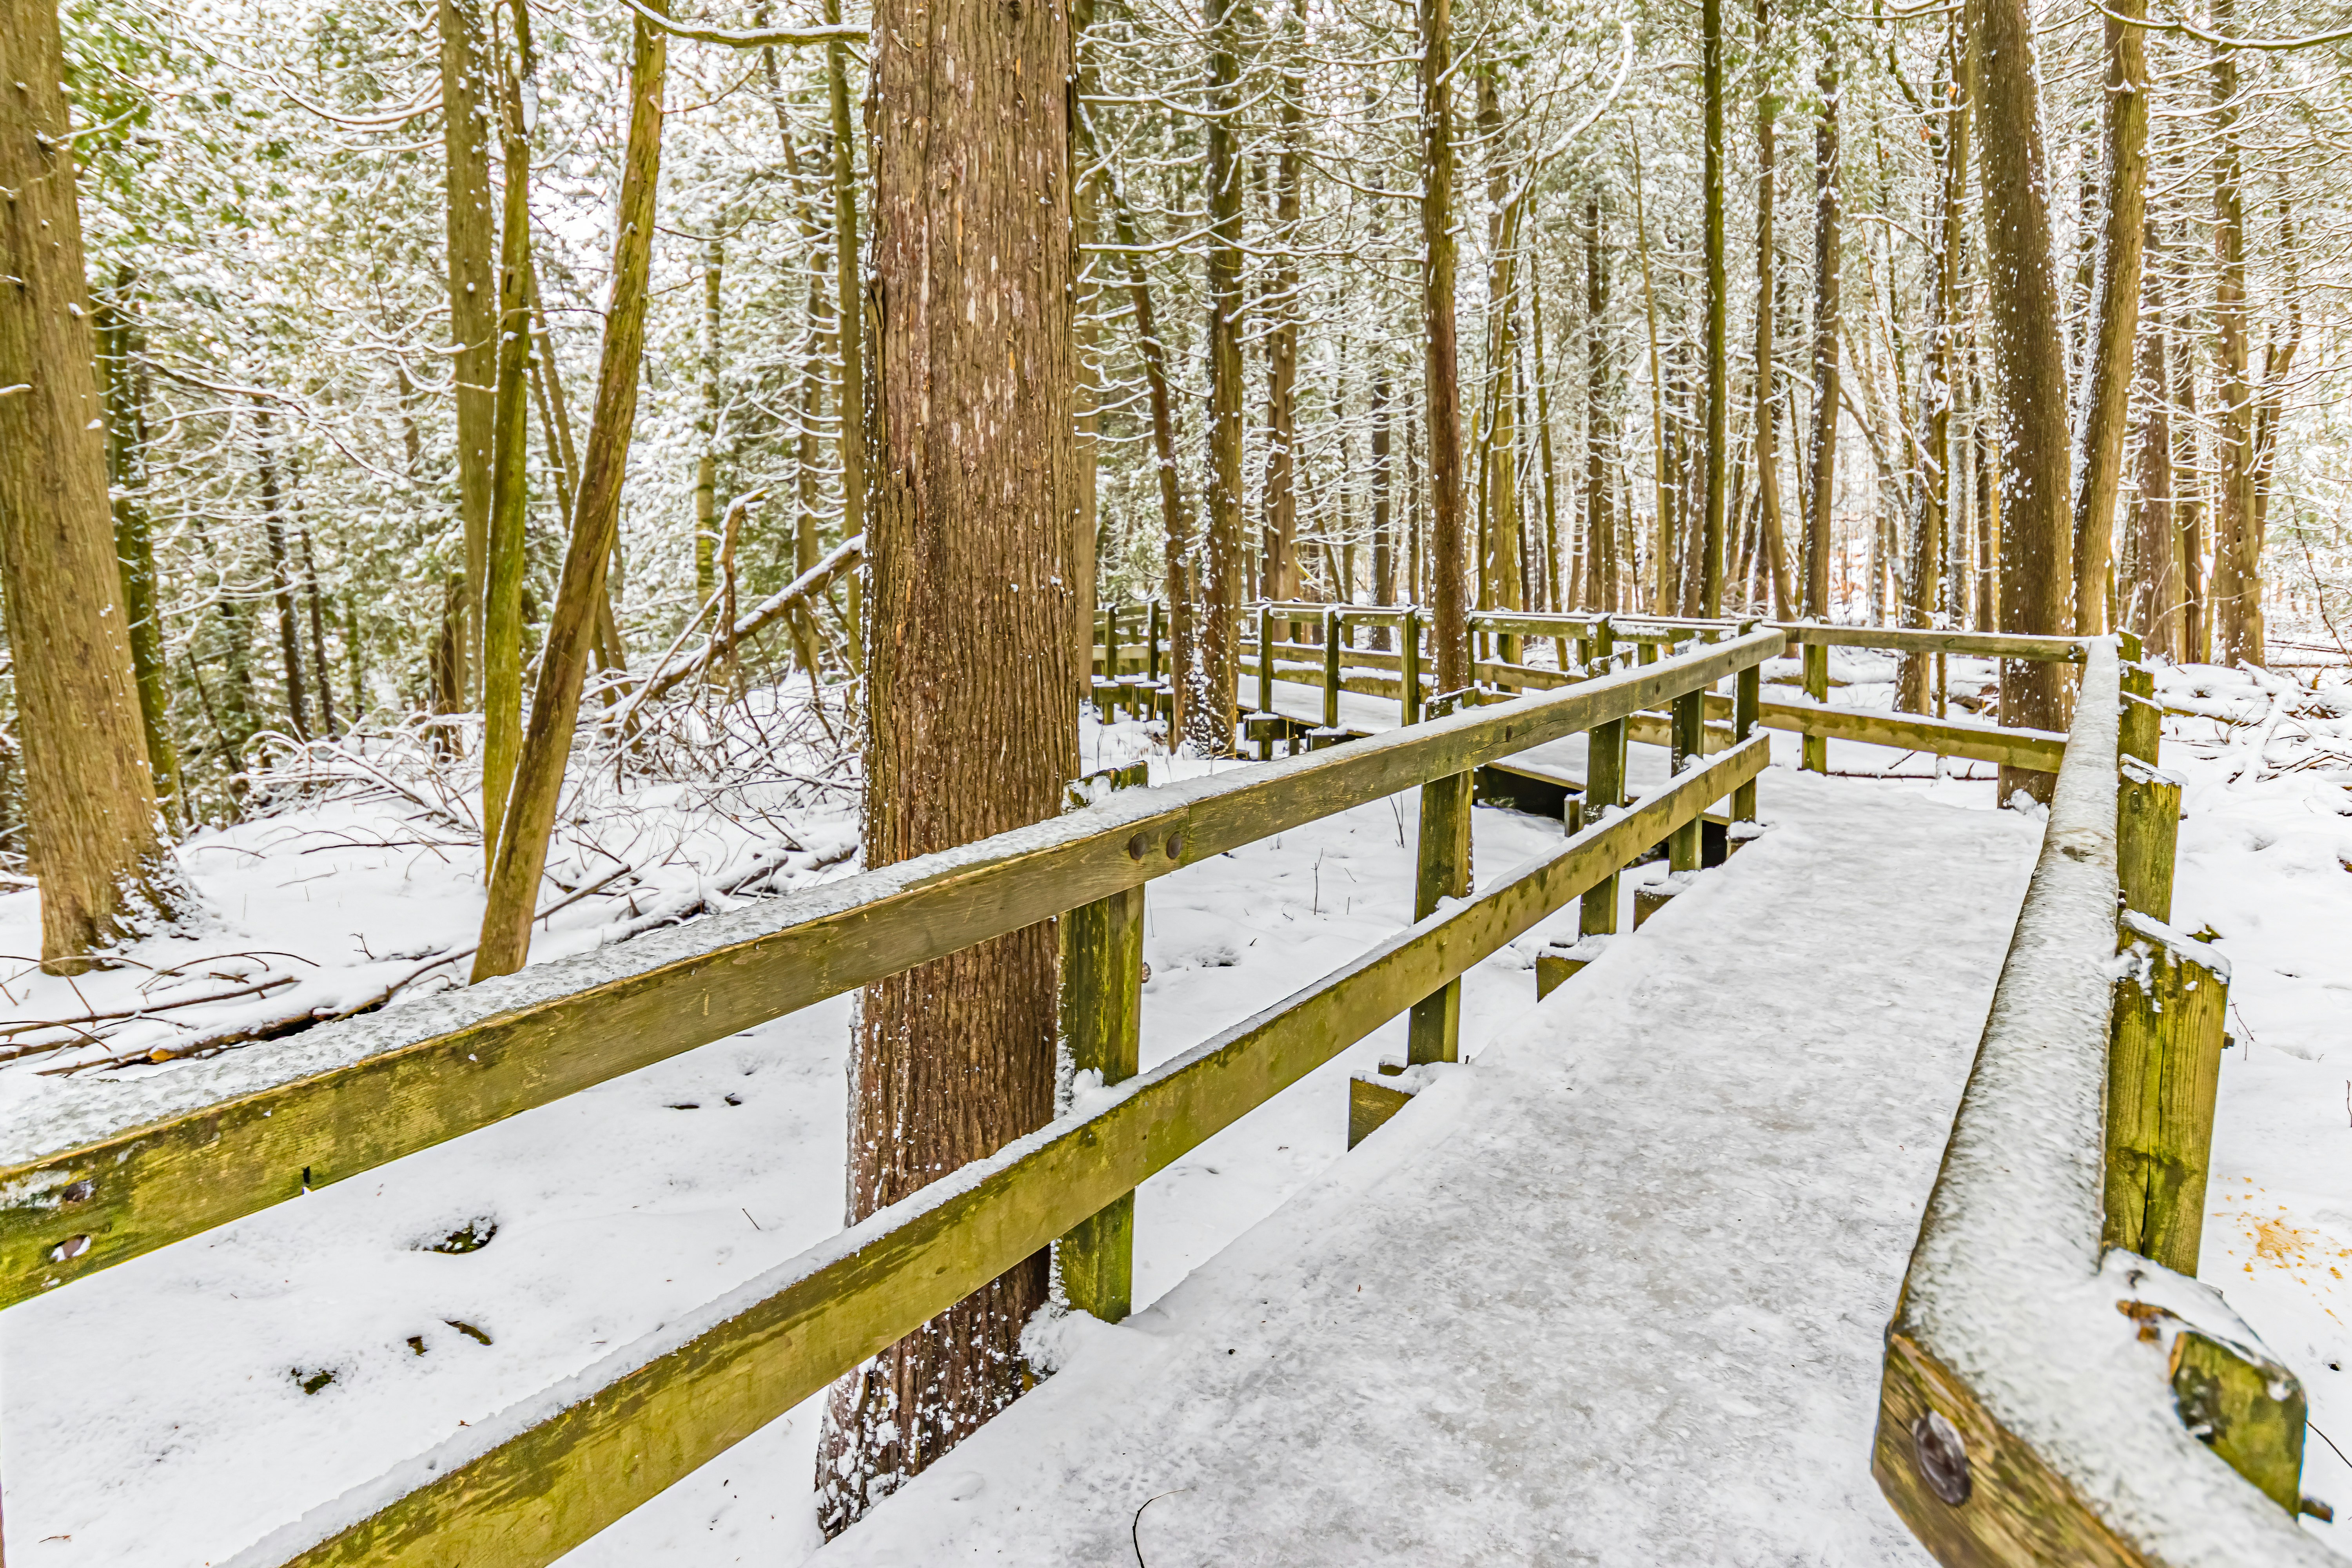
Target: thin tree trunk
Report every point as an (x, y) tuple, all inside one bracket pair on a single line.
[(1768, 430), (1495, 423), (706, 459), (465, 107), (519, 855), (97, 842), (2189, 498), (2114, 306), (1661, 576), (851, 318), (2153, 599), (2236, 591), (319, 639), (1821, 460), (1278, 568), (1448, 555), (1599, 526), (1923, 573), (281, 578), (510, 468), (1385, 580), (1208, 706), (1554, 600), (124, 385), (976, 463), (2030, 364), (1718, 316)]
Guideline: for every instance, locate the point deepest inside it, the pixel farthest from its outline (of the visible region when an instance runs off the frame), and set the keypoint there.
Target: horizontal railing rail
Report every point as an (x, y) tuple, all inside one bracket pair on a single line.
[(2040, 1384), (107, 1170), (522, 1488)]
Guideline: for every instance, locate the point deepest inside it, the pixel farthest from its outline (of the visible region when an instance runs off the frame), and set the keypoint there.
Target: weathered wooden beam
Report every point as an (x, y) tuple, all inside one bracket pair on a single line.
[(1907, 639), (519, 1489), (2164, 1064), (1604, 791), (1814, 756), (2036, 748), (1433, 1032), (2249, 1409), (1101, 1020), (2148, 831), (117, 1171)]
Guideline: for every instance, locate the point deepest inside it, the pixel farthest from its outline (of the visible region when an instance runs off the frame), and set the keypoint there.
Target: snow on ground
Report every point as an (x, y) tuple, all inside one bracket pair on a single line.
[(159, 1412)]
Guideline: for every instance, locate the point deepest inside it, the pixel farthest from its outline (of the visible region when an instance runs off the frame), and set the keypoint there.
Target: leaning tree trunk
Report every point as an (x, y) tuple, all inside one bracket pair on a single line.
[(969, 540), (473, 315), (2114, 306), (1449, 555), (1209, 705), (90, 792), (509, 475), (1822, 459), (520, 854), (2030, 369)]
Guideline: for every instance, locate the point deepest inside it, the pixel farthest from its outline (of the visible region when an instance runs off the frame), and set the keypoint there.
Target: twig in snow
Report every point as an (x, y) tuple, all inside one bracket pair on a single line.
[(1135, 1527)]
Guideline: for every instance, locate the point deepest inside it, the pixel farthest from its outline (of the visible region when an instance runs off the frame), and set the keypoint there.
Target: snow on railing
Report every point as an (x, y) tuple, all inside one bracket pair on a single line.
[(2028, 1409)]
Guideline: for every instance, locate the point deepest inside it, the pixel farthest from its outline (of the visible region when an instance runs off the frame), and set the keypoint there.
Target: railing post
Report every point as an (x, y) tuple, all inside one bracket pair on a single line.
[(1433, 1032), (1409, 669), (1151, 666), (1604, 787), (2164, 1061), (1814, 756), (1747, 711), (1111, 642), (2142, 725), (1334, 635), (2148, 829), (1102, 1014), (1265, 663), (1688, 747)]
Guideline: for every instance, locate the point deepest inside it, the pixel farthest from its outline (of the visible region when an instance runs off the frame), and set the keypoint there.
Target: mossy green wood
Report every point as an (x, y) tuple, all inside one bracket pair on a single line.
[(2148, 831), (2164, 1063), (1814, 755), (1371, 1102), (2253, 1413), (1102, 1019), (1747, 712), (67, 1214), (1604, 787), (1335, 643), (2036, 748), (1687, 742), (1433, 1032), (1901, 639), (655, 1419)]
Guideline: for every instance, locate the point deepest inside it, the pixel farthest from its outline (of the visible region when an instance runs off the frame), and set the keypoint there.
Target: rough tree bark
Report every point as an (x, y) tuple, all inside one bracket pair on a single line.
[(473, 313), (1773, 542), (1923, 572), (1599, 525), (1278, 567), (1449, 562), (850, 318), (2030, 373), (2152, 596), (1209, 705), (969, 541), (2105, 400), (502, 642), (1496, 422), (1821, 460), (521, 853), (123, 384), (90, 793), (1718, 316)]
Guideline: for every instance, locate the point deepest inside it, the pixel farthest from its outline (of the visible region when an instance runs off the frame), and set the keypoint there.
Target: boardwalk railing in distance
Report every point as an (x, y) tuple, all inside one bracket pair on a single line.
[(2057, 1386), (123, 1167)]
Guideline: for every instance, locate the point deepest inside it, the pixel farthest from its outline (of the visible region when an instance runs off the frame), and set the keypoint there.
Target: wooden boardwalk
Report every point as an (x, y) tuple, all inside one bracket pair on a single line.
[(1612, 1292)]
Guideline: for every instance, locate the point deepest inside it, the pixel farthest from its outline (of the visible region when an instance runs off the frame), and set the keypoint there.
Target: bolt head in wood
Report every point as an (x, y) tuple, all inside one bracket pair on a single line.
[(1175, 847), (1135, 847), (1943, 1456)]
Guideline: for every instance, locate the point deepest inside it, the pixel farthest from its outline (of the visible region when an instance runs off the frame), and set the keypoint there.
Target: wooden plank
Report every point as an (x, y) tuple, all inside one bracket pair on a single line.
[(2252, 1412), (1905, 639), (531, 1038), (2148, 831), (1101, 1021), (2164, 1064), (1442, 870), (2036, 748), (528, 1487)]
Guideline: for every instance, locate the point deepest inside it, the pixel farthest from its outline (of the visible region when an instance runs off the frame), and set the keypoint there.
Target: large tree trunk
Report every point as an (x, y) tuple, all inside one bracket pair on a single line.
[(1599, 525), (90, 791), (1495, 425), (1209, 705), (1718, 316), (968, 544), (2114, 306), (473, 308), (1772, 541), (850, 318), (2029, 368), (2236, 595), (1449, 562), (520, 854), (1924, 572), (1822, 461)]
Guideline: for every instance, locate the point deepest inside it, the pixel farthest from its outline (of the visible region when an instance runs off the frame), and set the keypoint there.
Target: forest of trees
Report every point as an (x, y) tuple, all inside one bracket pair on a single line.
[(439, 373)]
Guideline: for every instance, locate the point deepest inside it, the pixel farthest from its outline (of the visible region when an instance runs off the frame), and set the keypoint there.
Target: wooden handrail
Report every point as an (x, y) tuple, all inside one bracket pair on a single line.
[(519, 1488), (108, 1170), (2025, 1416)]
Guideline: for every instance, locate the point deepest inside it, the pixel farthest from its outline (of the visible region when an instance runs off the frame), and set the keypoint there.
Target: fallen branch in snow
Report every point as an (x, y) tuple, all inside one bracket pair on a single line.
[(849, 553), (259, 988)]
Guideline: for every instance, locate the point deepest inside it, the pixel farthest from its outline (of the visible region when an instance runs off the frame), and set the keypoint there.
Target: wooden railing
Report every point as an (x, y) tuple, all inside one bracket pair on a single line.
[(2052, 1365), (118, 1169)]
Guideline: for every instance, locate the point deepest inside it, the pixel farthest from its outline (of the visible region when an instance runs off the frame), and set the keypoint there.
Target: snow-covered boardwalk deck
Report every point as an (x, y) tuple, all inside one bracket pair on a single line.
[(1612, 1292)]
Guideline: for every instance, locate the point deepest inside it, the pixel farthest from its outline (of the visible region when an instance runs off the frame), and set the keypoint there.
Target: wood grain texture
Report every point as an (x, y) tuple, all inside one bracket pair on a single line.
[(2164, 1065), (151, 1184), (653, 1419)]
